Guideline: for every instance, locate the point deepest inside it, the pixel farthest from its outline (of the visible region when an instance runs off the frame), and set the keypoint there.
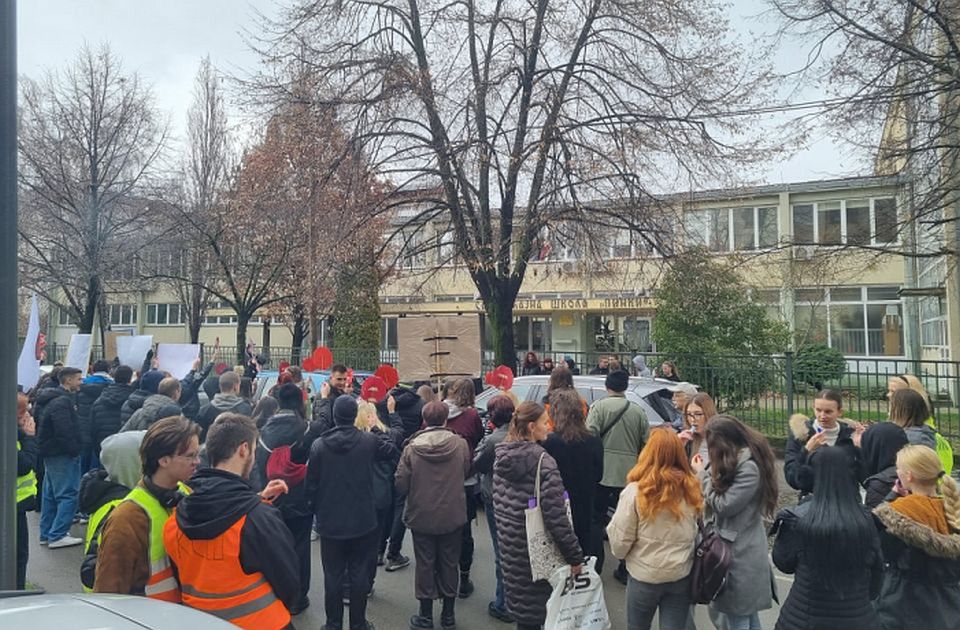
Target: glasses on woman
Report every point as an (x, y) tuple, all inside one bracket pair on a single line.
[(694, 414)]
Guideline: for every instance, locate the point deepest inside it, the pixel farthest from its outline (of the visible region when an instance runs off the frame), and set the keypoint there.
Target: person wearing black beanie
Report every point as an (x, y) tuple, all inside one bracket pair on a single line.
[(340, 487)]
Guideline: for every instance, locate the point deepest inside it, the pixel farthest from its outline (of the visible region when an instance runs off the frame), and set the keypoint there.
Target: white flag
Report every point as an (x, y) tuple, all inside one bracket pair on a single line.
[(28, 366)]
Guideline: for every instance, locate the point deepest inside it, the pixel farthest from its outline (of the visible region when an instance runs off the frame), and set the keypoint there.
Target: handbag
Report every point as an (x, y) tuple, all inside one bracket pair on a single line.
[(545, 556), (712, 560)]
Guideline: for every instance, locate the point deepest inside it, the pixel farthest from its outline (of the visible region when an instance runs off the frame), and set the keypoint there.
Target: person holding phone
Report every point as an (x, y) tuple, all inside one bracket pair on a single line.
[(828, 428)]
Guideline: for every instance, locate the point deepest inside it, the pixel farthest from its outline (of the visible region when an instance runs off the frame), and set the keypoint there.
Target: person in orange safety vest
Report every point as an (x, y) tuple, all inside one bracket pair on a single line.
[(230, 548)]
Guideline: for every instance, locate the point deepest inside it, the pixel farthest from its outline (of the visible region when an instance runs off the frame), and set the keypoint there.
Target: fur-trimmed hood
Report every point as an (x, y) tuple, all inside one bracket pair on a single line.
[(917, 535), (801, 426)]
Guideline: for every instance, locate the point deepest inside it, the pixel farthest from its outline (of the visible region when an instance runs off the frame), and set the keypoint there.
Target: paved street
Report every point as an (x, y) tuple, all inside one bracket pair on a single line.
[(393, 603)]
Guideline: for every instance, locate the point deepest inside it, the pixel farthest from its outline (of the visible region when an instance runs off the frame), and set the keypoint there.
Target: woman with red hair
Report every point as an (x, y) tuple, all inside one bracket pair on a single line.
[(654, 530)]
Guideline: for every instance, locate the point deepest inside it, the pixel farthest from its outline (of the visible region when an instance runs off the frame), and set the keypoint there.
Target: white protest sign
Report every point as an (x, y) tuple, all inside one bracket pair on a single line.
[(177, 358), (78, 352), (133, 350), (28, 366)]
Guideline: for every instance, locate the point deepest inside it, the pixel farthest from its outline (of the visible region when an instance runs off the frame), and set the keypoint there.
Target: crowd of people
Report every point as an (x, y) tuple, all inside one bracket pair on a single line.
[(214, 506)]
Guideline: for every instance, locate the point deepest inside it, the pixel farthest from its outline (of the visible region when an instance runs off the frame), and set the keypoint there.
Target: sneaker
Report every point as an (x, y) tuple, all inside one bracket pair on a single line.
[(397, 563), (448, 622), (499, 614), (466, 586), (44, 542), (418, 622), (314, 535), (380, 560), (66, 541)]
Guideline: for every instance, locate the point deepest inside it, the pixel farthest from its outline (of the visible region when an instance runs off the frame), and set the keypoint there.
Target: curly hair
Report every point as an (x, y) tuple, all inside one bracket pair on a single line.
[(664, 478)]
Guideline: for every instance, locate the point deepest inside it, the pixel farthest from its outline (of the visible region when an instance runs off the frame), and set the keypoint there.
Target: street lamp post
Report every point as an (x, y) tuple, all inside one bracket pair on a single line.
[(8, 291)]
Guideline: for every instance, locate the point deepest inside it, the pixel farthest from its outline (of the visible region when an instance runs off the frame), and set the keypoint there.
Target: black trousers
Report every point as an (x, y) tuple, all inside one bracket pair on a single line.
[(466, 541), (299, 527), (398, 529), (355, 556), (602, 500), (23, 549)]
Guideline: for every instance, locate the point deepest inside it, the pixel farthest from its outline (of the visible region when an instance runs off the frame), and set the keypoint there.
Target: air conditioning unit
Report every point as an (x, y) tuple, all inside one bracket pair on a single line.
[(569, 266), (804, 252)]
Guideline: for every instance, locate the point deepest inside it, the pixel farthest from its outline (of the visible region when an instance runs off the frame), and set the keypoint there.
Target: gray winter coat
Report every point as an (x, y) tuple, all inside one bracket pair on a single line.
[(155, 407), (738, 518), (923, 435), (514, 472)]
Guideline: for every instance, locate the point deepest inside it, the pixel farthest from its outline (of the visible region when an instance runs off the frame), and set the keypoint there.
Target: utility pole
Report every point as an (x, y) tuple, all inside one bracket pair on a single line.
[(8, 292)]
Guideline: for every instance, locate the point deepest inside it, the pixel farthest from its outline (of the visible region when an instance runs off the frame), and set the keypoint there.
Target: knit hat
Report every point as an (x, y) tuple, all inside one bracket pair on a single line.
[(151, 380), (344, 410), (617, 381)]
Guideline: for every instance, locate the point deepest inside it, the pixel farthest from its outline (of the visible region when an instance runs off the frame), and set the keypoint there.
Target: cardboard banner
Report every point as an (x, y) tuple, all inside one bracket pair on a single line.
[(78, 352), (436, 348), (28, 366), (110, 343), (177, 358), (132, 350)]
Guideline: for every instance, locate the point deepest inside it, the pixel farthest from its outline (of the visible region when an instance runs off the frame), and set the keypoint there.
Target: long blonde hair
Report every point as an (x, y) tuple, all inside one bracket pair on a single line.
[(912, 382), (925, 465), (365, 412)]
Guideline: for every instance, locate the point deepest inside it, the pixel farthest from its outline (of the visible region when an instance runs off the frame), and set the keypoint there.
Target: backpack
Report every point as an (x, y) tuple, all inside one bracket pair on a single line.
[(712, 560), (88, 566), (280, 465)]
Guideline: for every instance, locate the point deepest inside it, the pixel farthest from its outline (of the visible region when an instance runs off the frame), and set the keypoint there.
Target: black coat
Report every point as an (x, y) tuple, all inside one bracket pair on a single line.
[(878, 486), (190, 391), (105, 414), (811, 605), (285, 428), (581, 468), (59, 430), (878, 457), (410, 410), (341, 477), (921, 584), (90, 390), (798, 463)]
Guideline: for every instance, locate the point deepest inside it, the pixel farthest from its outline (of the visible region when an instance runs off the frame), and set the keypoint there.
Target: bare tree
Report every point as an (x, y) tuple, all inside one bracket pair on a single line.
[(892, 72), (532, 119), (88, 139), (205, 177)]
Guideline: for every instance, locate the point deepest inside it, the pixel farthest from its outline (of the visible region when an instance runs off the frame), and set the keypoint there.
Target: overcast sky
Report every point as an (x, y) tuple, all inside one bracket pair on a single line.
[(164, 41)]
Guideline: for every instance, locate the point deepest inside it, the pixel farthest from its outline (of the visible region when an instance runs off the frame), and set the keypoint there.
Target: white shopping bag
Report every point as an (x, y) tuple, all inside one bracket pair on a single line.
[(577, 601)]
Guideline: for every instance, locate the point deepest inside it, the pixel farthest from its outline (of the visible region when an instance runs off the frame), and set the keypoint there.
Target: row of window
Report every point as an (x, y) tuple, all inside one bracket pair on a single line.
[(866, 222), (858, 321)]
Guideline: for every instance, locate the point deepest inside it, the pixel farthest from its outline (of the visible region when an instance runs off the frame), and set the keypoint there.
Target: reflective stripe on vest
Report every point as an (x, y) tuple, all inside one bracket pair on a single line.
[(161, 583), (213, 580), (26, 484)]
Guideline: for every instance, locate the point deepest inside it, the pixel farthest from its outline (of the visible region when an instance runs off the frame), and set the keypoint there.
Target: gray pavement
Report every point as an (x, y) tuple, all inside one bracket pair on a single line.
[(57, 570)]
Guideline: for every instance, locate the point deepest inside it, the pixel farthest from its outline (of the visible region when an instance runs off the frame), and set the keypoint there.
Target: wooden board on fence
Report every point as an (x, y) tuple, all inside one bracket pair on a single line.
[(429, 348), (110, 343)]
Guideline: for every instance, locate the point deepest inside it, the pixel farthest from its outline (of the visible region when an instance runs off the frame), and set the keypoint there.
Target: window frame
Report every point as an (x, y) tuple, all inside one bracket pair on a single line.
[(708, 222), (844, 227)]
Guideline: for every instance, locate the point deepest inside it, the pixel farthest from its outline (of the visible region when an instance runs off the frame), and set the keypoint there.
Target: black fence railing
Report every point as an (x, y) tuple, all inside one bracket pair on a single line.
[(761, 390)]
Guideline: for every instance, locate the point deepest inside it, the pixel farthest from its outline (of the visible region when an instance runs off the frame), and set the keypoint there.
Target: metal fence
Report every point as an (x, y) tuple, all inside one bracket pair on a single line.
[(761, 390)]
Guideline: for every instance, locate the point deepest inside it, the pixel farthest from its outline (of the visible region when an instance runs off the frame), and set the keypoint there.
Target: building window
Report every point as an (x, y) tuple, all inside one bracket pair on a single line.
[(413, 255), (220, 319), (165, 314), (388, 333), (933, 322), (731, 229), (65, 317), (121, 314), (869, 221), (858, 321)]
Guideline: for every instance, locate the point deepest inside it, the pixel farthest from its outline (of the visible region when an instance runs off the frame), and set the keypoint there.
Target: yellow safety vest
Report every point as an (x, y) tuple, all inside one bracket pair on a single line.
[(26, 484), (161, 584)]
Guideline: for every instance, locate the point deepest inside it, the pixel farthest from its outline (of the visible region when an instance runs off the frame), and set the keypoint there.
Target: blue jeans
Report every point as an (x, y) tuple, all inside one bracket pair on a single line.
[(499, 599), (671, 598), (737, 622), (61, 485)]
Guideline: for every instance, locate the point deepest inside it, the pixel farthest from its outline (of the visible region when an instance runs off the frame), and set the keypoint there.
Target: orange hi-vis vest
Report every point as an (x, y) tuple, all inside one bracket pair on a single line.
[(213, 580)]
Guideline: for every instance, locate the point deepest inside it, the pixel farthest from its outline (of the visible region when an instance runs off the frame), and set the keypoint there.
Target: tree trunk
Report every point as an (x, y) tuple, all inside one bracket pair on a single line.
[(196, 313), (266, 339), (243, 319), (299, 333), (87, 317), (499, 314)]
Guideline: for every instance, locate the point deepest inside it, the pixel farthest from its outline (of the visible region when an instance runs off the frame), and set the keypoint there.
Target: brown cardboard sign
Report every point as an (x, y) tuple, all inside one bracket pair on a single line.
[(435, 348)]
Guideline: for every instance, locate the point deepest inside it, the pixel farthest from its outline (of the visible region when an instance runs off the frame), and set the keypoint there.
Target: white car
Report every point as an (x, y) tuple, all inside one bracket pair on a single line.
[(78, 611)]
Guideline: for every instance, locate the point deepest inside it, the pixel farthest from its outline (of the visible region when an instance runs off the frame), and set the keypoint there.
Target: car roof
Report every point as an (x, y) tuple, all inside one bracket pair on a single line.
[(80, 611)]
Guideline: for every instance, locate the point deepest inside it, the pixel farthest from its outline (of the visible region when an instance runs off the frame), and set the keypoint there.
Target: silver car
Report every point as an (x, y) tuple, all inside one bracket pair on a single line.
[(78, 611), (653, 395)]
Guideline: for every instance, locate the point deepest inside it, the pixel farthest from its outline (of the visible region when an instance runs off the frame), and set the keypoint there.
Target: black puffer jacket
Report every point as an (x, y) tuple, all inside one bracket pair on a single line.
[(798, 463), (811, 605), (410, 410), (514, 472), (96, 490), (105, 413), (921, 585), (133, 402), (285, 428), (878, 455), (58, 433), (90, 390)]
